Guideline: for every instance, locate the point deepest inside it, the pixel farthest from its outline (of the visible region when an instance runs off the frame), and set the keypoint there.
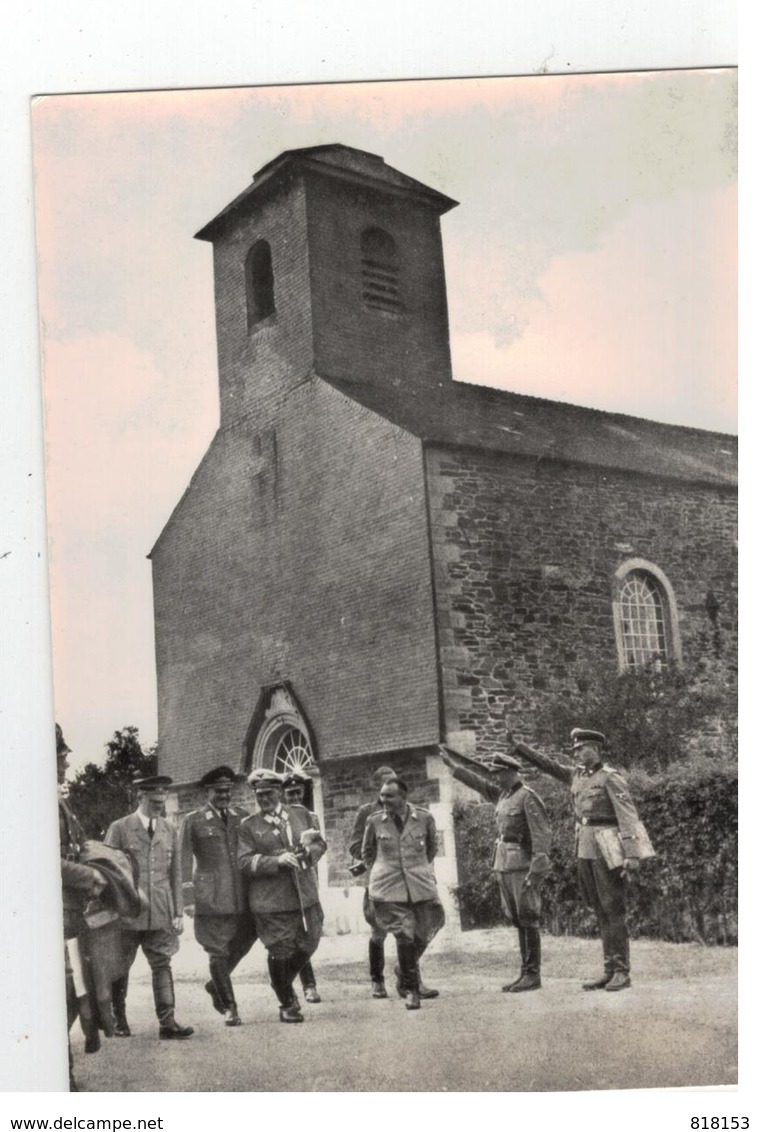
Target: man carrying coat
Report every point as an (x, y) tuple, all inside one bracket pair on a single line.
[(213, 887), (602, 802), (153, 843), (278, 851), (400, 844), (521, 858)]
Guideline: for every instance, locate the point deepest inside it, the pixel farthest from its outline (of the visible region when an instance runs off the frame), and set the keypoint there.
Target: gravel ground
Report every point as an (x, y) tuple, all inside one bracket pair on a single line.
[(677, 1025)]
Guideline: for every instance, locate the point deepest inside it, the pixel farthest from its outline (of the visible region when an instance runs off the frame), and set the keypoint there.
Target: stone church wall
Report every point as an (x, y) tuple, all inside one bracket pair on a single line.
[(525, 555)]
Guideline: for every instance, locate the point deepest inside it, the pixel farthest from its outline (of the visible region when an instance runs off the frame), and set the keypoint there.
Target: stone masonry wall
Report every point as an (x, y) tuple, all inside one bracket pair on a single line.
[(525, 553)]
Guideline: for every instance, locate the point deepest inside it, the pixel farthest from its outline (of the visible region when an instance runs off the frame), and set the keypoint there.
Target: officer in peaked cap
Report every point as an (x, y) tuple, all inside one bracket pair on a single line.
[(213, 887), (278, 852), (521, 857), (153, 842), (602, 802)]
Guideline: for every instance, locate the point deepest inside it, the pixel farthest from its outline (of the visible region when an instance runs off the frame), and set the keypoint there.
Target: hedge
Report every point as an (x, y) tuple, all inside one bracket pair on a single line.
[(688, 892)]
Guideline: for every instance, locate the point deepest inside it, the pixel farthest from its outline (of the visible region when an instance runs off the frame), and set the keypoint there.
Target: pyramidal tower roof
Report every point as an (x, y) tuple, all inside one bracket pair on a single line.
[(342, 162)]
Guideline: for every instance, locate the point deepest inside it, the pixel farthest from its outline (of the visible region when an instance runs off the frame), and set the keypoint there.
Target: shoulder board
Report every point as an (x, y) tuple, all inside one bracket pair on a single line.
[(610, 769), (192, 814), (239, 812), (420, 809)]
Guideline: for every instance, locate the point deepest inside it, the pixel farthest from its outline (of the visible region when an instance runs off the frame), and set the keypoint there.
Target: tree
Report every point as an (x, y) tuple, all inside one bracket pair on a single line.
[(100, 794)]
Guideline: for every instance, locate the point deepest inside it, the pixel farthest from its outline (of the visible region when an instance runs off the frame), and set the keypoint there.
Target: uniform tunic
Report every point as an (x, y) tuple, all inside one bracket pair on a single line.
[(160, 881), (522, 845), (276, 894), (213, 883), (402, 882), (354, 848)]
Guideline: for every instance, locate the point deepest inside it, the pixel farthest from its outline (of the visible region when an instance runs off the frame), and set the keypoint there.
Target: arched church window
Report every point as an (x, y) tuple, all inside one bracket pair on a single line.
[(645, 618), (292, 753), (380, 270), (259, 283)]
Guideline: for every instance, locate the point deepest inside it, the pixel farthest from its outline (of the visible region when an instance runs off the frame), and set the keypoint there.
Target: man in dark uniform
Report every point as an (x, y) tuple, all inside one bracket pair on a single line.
[(277, 852), (521, 853), (601, 801), (80, 883), (400, 844), (214, 891), (153, 843), (294, 790), (378, 935)]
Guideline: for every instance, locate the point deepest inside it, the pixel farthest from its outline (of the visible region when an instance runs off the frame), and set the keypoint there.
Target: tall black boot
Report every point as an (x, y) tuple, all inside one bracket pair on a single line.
[(523, 954), (530, 977), (377, 968), (222, 984), (281, 979), (605, 932), (163, 996), (118, 1000), (408, 975), (620, 956), (424, 992)]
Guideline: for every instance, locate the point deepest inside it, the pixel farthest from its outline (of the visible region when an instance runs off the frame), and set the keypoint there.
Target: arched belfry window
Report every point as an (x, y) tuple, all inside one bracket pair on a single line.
[(380, 270), (259, 283), (279, 735), (645, 617)]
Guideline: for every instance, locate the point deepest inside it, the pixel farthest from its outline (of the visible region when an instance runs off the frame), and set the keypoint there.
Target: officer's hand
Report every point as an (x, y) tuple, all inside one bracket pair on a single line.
[(178, 925), (630, 865), (288, 861), (189, 910), (99, 883)]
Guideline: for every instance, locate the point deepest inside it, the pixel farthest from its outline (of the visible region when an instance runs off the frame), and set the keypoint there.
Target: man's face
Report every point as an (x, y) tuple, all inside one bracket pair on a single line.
[(506, 778), (220, 795), (294, 795), (392, 798), (152, 802), (62, 765), (588, 754), (267, 798)]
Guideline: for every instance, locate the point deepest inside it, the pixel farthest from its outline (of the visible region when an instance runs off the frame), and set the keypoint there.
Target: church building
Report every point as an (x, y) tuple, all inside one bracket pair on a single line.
[(372, 557)]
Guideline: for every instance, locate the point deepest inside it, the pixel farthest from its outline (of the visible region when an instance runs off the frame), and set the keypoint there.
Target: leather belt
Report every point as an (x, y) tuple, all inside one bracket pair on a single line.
[(511, 840), (597, 821)]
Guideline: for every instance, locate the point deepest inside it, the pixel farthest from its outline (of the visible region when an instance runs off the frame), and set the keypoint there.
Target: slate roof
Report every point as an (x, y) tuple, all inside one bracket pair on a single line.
[(475, 416)]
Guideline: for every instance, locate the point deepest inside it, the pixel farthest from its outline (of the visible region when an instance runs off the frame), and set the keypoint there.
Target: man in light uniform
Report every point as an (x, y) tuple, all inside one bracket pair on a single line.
[(153, 843), (294, 790)]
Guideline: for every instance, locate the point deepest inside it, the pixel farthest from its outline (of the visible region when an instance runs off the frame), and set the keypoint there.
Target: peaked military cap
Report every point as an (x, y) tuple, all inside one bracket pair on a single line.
[(152, 782), (263, 779), (503, 762), (218, 774), (580, 736), (61, 746), (295, 780)]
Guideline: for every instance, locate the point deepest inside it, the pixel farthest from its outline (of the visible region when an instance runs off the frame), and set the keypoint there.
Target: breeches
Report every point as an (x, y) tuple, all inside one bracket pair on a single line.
[(378, 934), (283, 933), (521, 906), (226, 937), (602, 888), (158, 947), (419, 922)]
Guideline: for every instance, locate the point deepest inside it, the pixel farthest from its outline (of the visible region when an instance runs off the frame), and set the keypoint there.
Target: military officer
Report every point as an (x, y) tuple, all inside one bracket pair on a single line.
[(601, 801), (521, 852), (294, 790), (378, 935), (278, 851), (154, 844), (213, 888), (399, 847)]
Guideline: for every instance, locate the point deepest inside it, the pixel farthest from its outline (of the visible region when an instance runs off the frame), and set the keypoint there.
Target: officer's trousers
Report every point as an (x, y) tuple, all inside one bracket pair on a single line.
[(603, 890)]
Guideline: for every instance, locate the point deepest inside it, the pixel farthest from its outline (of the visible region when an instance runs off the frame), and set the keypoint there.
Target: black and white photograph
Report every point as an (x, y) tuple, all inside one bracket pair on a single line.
[(391, 480)]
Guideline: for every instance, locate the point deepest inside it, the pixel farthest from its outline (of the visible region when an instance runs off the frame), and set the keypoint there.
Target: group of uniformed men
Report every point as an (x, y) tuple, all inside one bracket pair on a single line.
[(243, 877)]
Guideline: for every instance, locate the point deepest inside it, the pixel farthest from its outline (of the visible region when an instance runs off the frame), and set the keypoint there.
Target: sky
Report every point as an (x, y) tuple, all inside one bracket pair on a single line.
[(592, 259)]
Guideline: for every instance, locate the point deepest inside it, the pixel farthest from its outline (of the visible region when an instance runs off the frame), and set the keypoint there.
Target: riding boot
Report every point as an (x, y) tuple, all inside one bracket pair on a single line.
[(118, 1001), (163, 997), (308, 981), (377, 968), (88, 1022), (530, 977), (424, 992), (620, 943), (523, 953), (408, 975), (281, 979), (222, 983)]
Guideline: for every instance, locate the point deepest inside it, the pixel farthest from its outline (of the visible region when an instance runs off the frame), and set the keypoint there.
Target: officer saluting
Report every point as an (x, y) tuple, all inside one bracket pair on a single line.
[(602, 802), (214, 890), (154, 844), (521, 854)]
